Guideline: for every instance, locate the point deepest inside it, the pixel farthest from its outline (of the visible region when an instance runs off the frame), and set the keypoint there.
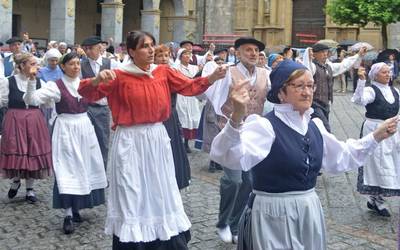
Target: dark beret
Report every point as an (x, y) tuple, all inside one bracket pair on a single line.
[(217, 51), (92, 40), (249, 40), (319, 47), (184, 42), (279, 76), (14, 39)]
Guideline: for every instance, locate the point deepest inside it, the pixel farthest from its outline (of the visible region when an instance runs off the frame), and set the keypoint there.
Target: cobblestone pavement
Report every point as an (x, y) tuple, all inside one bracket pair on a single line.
[(350, 224)]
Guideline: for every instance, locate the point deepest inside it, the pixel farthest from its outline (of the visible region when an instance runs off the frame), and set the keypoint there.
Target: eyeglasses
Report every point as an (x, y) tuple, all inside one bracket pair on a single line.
[(299, 88)]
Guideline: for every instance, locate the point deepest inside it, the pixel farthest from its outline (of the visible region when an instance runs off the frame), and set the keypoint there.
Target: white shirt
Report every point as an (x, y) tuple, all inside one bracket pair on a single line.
[(337, 68), (218, 92), (49, 93), (365, 95), (22, 83), (247, 146)]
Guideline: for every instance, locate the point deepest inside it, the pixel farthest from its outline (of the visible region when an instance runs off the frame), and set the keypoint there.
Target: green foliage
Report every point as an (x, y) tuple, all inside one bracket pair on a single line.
[(360, 12)]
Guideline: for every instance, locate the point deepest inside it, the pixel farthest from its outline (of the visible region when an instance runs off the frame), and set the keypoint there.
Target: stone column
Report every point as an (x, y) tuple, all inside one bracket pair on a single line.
[(394, 35), (5, 20), (151, 22), (112, 20), (62, 21), (219, 17)]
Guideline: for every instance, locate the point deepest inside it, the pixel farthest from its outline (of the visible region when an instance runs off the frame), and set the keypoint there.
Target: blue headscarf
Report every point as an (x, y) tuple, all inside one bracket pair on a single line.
[(271, 59), (279, 76)]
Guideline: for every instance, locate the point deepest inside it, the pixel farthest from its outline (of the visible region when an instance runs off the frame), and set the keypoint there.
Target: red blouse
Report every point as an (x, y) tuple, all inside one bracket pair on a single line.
[(139, 99)]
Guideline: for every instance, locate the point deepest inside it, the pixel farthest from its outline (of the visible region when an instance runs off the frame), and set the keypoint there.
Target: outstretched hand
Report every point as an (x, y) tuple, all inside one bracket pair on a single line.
[(218, 73), (386, 129), (361, 73), (104, 76)]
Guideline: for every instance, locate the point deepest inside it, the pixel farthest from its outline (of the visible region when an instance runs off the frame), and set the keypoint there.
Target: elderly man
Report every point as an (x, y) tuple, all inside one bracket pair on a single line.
[(235, 184), (324, 71), (99, 113)]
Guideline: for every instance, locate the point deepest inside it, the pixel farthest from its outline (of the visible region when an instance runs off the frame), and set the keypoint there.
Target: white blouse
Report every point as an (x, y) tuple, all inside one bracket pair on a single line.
[(243, 148), (22, 84), (50, 93), (365, 95)]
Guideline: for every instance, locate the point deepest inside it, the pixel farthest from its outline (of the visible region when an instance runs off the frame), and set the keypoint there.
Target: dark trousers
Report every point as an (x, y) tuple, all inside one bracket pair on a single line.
[(235, 187), (2, 114), (322, 112), (101, 118), (355, 79)]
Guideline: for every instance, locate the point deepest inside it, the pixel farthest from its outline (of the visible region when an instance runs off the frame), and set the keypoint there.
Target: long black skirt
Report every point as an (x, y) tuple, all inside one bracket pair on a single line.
[(77, 202), (178, 242), (182, 167)]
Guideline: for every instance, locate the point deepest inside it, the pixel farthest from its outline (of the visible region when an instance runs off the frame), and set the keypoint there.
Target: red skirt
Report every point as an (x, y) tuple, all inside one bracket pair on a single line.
[(189, 134), (25, 145)]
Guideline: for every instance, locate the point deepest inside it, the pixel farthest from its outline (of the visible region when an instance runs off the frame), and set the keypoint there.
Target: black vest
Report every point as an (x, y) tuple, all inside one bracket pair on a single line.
[(380, 108), (294, 161), (324, 81), (87, 71), (15, 100)]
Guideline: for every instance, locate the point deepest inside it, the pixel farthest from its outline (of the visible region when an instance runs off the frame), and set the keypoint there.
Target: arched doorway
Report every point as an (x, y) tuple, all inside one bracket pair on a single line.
[(308, 23), (167, 21)]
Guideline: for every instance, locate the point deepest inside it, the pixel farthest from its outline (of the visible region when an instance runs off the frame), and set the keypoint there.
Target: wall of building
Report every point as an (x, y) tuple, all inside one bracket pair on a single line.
[(131, 16), (86, 18)]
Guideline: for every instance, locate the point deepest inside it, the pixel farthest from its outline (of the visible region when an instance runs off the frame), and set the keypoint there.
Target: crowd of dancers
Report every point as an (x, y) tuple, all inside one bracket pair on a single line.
[(264, 120)]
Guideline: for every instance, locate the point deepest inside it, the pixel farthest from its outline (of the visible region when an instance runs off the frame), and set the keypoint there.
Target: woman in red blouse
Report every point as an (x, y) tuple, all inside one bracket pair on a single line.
[(145, 209)]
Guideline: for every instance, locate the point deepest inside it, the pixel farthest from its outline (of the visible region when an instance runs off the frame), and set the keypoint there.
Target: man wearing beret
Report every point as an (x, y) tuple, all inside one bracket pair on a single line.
[(99, 112), (324, 71), (196, 59), (235, 185)]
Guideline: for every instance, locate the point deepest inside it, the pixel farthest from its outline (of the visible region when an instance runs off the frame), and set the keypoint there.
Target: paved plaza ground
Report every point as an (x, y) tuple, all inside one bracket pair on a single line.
[(350, 224)]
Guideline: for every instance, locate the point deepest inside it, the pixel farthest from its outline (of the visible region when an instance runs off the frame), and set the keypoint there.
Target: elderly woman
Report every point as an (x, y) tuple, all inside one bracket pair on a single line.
[(78, 166), (284, 151), (380, 175), (25, 142), (173, 126), (188, 107), (145, 209)]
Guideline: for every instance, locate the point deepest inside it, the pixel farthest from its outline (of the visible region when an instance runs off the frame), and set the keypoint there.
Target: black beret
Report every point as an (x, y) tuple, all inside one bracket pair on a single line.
[(92, 40), (319, 47), (251, 40), (217, 51), (184, 42), (14, 39)]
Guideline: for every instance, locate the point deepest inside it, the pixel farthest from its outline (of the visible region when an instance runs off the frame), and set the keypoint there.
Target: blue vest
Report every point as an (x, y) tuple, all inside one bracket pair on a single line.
[(380, 108), (294, 161), (8, 66)]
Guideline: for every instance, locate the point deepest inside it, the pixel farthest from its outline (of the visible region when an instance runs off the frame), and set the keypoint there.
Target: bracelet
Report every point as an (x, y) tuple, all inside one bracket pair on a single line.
[(235, 124)]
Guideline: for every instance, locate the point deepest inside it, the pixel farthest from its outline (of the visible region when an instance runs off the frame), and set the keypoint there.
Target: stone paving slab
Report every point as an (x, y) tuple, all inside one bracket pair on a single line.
[(349, 223)]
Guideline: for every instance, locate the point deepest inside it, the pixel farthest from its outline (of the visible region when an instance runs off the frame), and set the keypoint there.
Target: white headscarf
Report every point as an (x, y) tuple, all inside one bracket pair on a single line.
[(178, 56), (53, 53), (375, 68)]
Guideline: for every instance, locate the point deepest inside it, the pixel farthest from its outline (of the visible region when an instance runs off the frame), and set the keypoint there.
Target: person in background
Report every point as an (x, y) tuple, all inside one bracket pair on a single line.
[(379, 176), (231, 58), (273, 60), (173, 126), (287, 53)]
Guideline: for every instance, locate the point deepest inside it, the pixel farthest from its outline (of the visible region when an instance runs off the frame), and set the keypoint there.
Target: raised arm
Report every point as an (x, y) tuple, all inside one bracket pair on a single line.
[(98, 87), (46, 95), (4, 91), (362, 95), (347, 63), (242, 146), (191, 87)]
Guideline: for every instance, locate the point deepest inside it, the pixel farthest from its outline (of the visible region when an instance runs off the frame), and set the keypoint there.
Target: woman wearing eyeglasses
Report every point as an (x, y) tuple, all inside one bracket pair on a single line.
[(284, 151)]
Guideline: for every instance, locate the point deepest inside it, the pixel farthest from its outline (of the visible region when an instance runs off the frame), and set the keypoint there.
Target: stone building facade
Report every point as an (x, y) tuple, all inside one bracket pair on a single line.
[(276, 22)]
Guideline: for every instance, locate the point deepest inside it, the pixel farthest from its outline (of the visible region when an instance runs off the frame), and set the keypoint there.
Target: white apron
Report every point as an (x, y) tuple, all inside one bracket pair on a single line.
[(144, 202), (382, 168), (77, 160)]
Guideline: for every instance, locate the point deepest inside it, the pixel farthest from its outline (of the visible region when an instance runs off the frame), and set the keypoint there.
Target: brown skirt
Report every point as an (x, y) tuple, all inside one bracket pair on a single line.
[(25, 145)]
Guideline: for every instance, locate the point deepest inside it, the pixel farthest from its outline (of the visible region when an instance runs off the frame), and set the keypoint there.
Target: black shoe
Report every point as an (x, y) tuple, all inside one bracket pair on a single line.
[(68, 226), (382, 212), (31, 199), (76, 217), (211, 168), (188, 150), (218, 167), (13, 192)]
